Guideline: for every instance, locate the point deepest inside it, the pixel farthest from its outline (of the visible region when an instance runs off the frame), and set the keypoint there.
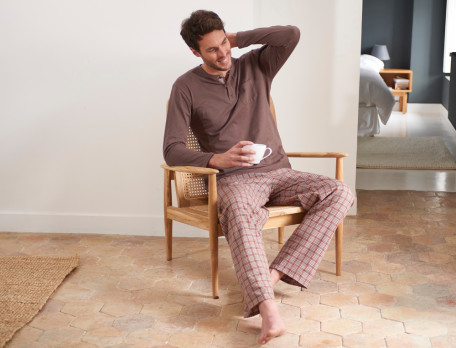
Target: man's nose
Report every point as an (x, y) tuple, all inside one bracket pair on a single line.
[(223, 52)]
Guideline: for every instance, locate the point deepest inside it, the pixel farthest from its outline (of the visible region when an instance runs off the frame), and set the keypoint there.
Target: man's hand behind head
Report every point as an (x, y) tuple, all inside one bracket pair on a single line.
[(232, 38)]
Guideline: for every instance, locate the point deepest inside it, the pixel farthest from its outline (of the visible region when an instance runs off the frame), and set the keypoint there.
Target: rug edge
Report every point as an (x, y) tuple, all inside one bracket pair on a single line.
[(449, 163), (73, 265), (404, 168)]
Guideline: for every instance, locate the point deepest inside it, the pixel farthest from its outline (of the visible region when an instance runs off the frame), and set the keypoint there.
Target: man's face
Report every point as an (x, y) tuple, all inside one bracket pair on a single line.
[(215, 51)]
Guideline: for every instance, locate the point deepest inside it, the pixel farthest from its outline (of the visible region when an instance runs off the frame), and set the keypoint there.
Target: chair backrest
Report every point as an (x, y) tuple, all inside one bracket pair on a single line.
[(191, 189)]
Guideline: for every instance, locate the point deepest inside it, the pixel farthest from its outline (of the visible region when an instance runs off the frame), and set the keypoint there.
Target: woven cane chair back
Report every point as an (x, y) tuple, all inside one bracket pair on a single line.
[(191, 189)]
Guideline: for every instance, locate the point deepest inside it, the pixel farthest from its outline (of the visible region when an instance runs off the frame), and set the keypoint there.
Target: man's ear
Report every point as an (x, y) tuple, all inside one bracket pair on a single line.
[(195, 52)]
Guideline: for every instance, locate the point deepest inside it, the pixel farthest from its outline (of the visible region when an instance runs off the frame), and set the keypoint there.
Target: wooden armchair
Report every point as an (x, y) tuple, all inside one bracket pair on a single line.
[(197, 205)]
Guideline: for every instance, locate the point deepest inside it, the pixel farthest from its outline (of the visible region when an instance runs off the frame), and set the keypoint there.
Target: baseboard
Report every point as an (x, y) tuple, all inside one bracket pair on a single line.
[(135, 225), (130, 225)]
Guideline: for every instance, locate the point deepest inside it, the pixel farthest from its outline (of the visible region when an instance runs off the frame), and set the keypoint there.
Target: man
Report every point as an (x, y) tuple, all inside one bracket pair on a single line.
[(225, 101)]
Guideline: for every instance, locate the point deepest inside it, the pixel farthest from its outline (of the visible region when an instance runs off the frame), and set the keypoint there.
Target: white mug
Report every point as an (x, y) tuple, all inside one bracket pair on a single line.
[(259, 149)]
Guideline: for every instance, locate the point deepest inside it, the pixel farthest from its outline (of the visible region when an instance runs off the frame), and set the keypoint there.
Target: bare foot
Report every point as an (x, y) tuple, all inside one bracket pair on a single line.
[(272, 324)]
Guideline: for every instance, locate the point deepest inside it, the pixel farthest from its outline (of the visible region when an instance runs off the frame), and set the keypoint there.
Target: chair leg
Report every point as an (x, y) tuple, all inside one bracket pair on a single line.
[(213, 231), (169, 239), (281, 234), (167, 202), (339, 240), (213, 245)]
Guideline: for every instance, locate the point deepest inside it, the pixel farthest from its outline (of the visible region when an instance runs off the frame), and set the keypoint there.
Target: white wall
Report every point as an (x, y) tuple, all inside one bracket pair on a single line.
[(83, 88)]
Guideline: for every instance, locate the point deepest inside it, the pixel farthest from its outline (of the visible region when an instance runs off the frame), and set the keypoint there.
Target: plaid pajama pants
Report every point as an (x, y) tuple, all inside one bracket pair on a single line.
[(241, 200)]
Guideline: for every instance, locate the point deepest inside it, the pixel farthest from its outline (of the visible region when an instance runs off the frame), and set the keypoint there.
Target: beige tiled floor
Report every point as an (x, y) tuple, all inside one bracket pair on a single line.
[(398, 288)]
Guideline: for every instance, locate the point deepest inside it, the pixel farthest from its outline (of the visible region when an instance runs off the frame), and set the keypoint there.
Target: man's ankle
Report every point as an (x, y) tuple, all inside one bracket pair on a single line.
[(275, 276), (268, 306)]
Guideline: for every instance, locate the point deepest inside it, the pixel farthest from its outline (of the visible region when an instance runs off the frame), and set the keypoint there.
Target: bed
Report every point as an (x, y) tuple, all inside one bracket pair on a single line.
[(376, 101)]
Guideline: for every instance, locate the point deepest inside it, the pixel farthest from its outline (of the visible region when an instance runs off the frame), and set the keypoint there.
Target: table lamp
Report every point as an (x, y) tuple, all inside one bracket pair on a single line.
[(381, 52)]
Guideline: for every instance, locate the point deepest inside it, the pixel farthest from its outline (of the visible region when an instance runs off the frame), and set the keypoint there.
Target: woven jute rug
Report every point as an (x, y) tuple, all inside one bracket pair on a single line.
[(404, 153), (26, 283)]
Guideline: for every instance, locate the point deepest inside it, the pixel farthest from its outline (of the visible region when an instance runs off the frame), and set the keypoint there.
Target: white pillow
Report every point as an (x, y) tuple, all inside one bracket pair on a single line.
[(370, 62)]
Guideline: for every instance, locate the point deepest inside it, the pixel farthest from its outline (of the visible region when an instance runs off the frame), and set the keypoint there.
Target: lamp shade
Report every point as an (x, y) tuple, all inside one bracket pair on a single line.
[(381, 52)]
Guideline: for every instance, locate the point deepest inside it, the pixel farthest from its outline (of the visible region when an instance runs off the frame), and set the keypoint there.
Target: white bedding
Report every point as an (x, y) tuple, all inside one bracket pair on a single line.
[(375, 98), (368, 122)]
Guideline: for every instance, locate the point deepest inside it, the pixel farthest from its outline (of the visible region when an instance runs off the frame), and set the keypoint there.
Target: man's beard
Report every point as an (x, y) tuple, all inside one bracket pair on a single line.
[(218, 68)]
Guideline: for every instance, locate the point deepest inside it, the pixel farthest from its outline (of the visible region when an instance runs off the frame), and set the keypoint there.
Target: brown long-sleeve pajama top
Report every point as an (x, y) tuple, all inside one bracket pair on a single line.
[(222, 113)]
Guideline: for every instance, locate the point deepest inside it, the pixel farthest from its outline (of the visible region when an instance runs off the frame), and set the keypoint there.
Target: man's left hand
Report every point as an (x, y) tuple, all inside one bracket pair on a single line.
[(232, 38)]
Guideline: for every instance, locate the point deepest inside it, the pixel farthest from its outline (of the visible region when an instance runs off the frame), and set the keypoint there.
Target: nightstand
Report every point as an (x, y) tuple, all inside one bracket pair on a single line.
[(389, 75)]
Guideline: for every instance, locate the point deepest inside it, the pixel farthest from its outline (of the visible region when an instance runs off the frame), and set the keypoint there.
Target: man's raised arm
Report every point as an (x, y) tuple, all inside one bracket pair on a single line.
[(279, 42)]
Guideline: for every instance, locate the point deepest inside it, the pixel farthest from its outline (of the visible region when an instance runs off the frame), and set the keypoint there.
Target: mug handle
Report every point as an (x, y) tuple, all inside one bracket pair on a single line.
[(269, 154)]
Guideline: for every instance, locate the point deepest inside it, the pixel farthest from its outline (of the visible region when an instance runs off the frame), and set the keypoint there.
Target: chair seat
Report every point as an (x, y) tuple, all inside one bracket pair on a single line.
[(198, 216), (278, 210), (280, 216)]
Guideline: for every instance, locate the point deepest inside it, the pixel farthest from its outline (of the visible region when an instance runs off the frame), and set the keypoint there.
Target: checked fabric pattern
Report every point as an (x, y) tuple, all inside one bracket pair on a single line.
[(241, 201)]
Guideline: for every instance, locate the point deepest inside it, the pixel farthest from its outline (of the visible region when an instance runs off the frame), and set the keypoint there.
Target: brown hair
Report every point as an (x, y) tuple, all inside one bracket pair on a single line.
[(199, 23)]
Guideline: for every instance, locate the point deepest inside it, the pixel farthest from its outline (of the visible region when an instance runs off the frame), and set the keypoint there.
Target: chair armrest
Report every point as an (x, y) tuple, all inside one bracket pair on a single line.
[(317, 154), (337, 155), (190, 169), (171, 173)]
